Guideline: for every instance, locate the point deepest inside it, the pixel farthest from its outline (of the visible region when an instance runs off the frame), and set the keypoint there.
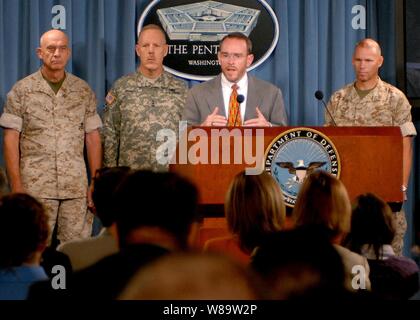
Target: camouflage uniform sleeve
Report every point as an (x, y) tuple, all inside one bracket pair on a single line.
[(402, 116), (13, 110), (111, 129), (93, 121)]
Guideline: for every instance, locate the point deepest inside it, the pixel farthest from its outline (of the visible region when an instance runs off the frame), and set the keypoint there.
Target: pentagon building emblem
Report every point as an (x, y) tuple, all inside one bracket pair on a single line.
[(195, 28), (296, 153), (207, 21)]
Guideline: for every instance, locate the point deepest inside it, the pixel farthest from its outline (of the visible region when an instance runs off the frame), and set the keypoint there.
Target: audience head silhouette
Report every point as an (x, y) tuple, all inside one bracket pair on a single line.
[(372, 232), (323, 201), (193, 276), (371, 224), (160, 200), (254, 207), (300, 264), (25, 230), (105, 182)]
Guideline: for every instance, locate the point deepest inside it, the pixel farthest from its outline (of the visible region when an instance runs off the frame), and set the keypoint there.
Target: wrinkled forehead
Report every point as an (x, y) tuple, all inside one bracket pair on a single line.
[(53, 37)]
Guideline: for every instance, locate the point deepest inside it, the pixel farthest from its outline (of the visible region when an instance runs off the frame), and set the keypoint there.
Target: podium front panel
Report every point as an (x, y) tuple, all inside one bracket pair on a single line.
[(370, 157)]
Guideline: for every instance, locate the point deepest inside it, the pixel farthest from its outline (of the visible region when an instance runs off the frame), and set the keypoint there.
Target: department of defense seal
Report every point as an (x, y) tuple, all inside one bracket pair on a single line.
[(296, 153)]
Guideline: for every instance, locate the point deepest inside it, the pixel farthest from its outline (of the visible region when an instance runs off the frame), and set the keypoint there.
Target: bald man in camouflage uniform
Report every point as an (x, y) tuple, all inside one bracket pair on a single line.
[(47, 117), (141, 104), (369, 101)]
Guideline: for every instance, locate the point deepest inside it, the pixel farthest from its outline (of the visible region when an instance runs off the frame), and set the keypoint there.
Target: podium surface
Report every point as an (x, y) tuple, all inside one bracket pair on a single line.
[(370, 158)]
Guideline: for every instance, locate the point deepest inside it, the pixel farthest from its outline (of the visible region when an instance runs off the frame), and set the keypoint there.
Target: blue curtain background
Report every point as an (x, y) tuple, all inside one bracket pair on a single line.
[(314, 50)]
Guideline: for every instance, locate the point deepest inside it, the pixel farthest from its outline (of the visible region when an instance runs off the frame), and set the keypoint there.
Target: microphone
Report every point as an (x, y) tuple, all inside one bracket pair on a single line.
[(239, 99), (319, 95)]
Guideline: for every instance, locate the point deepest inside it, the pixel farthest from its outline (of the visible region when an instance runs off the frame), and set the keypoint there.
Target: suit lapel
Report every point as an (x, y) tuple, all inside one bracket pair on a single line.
[(253, 99), (214, 96)]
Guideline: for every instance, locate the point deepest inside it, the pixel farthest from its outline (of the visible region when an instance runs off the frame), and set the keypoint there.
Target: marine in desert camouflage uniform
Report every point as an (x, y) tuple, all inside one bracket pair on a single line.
[(369, 101), (141, 104), (46, 119), (384, 106)]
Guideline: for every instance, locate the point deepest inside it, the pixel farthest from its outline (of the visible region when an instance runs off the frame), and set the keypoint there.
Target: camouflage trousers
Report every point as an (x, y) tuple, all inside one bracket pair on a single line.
[(400, 225), (73, 219)]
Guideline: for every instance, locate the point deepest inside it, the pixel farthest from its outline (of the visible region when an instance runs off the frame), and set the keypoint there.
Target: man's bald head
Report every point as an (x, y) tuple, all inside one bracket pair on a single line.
[(152, 27), (54, 52), (53, 34), (367, 59), (370, 44)]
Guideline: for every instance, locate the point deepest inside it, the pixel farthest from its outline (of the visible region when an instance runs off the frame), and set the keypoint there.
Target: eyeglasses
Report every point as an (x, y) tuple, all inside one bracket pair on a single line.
[(234, 56), (53, 49)]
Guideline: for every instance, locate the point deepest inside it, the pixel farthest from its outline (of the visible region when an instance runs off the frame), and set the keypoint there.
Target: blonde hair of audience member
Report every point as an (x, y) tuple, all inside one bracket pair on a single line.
[(323, 201), (254, 207), (192, 276)]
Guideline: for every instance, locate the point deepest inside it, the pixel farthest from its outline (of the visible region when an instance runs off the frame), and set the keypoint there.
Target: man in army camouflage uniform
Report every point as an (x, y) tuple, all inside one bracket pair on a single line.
[(47, 117), (369, 101), (141, 104)]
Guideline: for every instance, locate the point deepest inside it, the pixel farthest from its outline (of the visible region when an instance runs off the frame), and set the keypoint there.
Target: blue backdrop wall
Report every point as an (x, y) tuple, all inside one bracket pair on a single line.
[(314, 50)]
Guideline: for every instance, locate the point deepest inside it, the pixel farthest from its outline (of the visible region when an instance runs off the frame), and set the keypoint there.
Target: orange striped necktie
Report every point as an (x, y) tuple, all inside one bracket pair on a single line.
[(234, 118)]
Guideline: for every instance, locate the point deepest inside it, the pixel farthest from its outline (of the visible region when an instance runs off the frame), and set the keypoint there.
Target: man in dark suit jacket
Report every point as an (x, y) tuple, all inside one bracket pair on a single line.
[(208, 103)]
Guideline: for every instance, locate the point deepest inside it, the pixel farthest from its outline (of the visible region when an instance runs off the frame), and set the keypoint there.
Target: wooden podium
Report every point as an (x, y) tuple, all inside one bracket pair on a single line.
[(371, 159)]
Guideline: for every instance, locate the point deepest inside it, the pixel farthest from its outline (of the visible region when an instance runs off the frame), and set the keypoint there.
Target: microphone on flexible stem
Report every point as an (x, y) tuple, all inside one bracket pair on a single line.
[(239, 99), (320, 96)]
